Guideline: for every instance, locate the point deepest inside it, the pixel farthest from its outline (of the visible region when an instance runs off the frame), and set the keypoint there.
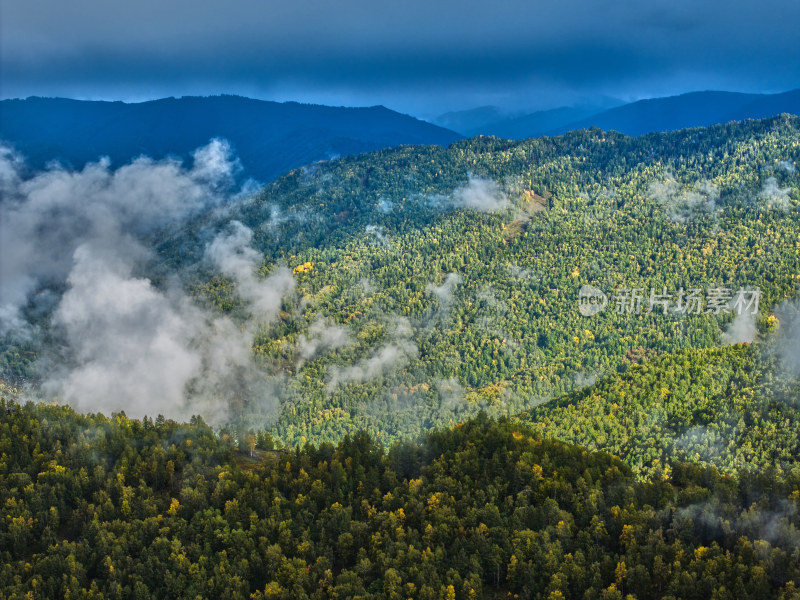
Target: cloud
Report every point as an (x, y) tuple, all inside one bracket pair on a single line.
[(278, 218), (392, 356), (742, 330), (322, 337), (788, 338), (444, 292), (478, 194), (451, 395), (483, 195), (683, 205), (583, 379), (775, 197), (359, 52), (385, 206), (47, 216), (119, 342), (776, 525), (377, 232), (232, 254), (787, 166), (130, 346), (516, 271)]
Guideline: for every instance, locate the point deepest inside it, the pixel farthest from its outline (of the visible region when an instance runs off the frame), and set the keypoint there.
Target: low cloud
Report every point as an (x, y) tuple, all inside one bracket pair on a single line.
[(385, 206), (483, 195), (583, 379), (444, 292), (130, 346), (376, 231), (322, 337), (391, 357), (681, 204), (451, 395), (775, 197), (518, 272), (122, 342), (232, 254), (788, 337), (47, 216), (478, 194), (741, 330)]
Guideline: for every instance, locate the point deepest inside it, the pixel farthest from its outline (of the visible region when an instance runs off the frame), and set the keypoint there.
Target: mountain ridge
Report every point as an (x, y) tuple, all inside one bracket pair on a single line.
[(270, 138), (693, 109), (668, 113)]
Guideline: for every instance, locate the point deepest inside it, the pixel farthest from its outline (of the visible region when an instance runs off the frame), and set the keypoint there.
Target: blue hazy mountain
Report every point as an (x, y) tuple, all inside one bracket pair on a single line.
[(472, 121), (491, 120), (535, 124), (270, 138), (696, 109)]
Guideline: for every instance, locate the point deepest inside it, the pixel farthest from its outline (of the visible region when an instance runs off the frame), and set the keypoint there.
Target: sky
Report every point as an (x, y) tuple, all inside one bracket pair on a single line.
[(422, 57)]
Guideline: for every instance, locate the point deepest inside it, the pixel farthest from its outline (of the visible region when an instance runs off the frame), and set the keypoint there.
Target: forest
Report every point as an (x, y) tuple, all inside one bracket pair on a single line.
[(111, 507), (480, 304), (725, 407)]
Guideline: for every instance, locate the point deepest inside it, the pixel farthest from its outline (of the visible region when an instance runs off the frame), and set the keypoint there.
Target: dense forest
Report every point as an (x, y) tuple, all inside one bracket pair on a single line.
[(481, 305), (111, 507), (727, 407)]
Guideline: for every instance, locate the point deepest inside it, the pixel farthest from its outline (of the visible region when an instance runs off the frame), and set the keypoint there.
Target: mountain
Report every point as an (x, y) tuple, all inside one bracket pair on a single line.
[(412, 287), (768, 105), (457, 271), (270, 138), (533, 124), (490, 120), (472, 121), (696, 109)]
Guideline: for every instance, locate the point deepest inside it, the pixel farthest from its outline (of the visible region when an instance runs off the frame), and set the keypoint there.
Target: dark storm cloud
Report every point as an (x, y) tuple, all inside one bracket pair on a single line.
[(398, 52)]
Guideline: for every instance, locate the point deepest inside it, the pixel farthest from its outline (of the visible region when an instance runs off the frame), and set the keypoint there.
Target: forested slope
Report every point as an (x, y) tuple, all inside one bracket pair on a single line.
[(473, 288), (430, 283), (727, 407), (108, 507)]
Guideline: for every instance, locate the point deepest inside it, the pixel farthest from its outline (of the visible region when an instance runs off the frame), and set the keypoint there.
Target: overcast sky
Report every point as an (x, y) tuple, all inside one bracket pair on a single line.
[(418, 56)]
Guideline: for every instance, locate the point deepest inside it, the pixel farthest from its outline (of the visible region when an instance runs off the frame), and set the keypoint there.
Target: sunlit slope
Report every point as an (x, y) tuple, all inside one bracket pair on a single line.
[(455, 272), (729, 407)]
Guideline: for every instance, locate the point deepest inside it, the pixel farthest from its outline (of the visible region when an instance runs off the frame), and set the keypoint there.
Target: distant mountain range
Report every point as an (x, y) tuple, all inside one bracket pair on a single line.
[(492, 120), (270, 138), (696, 109)]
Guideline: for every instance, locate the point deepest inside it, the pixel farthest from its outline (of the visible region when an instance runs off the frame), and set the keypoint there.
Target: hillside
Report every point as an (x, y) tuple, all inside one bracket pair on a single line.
[(413, 287), (100, 507), (270, 138), (488, 300), (727, 407)]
